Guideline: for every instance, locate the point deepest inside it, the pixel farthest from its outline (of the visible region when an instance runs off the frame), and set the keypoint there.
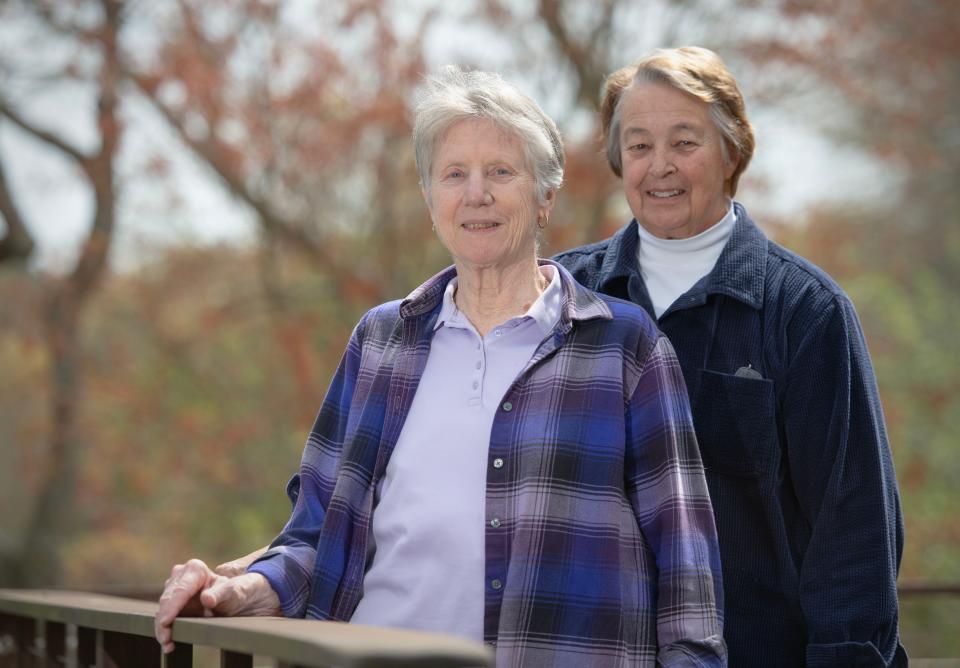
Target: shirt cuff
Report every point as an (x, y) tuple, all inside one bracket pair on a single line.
[(272, 567)]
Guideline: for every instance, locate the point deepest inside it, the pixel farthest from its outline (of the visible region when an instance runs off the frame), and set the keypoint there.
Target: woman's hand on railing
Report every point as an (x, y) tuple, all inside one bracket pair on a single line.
[(239, 566), (194, 590)]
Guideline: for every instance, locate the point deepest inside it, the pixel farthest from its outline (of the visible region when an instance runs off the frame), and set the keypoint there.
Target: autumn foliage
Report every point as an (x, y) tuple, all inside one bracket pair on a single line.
[(154, 413)]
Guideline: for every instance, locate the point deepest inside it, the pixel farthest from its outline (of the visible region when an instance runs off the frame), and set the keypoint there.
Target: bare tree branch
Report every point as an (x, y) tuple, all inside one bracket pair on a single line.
[(17, 244), (100, 168), (290, 231), (51, 519), (43, 135), (590, 73)]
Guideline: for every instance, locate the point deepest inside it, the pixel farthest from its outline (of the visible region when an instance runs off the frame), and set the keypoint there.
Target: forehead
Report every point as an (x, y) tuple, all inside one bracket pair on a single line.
[(478, 138), (656, 106)]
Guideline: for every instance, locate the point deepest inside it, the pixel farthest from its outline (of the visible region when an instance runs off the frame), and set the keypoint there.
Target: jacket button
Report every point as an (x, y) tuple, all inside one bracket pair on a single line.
[(498, 463), (507, 406)]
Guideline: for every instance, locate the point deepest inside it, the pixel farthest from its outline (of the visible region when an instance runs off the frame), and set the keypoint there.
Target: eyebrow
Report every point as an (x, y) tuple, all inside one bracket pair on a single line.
[(673, 128)]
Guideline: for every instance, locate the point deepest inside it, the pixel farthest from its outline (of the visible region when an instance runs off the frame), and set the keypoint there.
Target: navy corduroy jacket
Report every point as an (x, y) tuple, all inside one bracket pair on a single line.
[(791, 432)]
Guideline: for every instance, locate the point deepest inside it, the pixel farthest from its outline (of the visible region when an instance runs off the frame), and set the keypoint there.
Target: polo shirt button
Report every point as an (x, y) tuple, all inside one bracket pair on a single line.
[(507, 406), (496, 584), (495, 523), (498, 463)]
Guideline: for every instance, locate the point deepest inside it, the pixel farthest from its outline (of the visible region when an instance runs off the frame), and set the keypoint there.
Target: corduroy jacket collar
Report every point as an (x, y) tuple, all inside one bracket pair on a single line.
[(738, 273)]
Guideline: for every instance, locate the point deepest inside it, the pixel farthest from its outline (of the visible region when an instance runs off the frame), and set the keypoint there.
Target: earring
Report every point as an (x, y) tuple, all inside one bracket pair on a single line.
[(542, 222)]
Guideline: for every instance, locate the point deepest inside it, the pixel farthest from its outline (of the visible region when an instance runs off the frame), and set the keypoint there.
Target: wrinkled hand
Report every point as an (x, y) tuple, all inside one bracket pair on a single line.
[(194, 590), (238, 566)]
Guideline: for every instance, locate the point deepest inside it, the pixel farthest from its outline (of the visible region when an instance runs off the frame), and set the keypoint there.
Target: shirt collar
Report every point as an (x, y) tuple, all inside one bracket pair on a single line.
[(575, 301), (449, 313), (544, 311), (738, 273)]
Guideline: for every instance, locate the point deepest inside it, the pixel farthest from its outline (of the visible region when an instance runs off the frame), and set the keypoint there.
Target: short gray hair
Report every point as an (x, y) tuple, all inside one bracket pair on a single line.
[(454, 95)]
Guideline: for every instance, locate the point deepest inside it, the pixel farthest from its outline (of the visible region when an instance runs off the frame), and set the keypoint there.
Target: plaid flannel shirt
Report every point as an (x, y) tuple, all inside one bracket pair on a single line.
[(606, 553)]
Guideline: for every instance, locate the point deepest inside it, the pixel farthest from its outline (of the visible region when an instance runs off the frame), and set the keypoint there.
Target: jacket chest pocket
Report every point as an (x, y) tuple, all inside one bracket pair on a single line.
[(735, 421)]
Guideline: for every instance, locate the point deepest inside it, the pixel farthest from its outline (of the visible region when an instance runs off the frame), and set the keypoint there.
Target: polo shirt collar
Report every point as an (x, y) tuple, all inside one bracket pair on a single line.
[(576, 302), (544, 311)]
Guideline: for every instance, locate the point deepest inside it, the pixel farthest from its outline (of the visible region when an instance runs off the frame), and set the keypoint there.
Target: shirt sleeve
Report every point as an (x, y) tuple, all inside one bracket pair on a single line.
[(843, 476), (666, 485), (289, 563)]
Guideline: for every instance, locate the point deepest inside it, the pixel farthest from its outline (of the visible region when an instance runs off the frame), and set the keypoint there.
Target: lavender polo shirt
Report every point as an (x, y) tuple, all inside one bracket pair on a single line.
[(428, 521)]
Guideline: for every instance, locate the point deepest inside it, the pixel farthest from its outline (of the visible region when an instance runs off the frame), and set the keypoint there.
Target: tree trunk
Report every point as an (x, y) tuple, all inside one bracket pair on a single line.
[(53, 518)]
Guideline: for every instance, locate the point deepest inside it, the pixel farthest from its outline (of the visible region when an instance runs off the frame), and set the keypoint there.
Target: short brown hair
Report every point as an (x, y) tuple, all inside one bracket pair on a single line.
[(693, 70)]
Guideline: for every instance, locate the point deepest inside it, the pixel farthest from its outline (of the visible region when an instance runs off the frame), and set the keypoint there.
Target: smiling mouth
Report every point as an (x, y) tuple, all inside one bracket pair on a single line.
[(482, 225), (666, 194)]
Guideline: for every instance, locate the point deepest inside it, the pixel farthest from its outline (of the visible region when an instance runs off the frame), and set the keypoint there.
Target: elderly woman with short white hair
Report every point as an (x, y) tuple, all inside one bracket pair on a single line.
[(503, 455)]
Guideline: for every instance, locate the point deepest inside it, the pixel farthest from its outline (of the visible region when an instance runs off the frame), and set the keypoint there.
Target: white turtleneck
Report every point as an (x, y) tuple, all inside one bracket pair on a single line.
[(670, 267)]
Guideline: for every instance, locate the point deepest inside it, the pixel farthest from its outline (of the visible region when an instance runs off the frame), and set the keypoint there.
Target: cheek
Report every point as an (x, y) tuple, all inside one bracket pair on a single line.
[(633, 174), (442, 212), (711, 179), (632, 188)]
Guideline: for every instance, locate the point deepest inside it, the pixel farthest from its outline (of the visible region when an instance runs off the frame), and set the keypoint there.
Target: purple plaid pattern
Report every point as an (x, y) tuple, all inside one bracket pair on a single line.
[(604, 552)]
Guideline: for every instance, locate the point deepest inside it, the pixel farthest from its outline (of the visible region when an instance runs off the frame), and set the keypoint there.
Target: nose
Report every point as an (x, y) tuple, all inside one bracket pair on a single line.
[(662, 164), (477, 193)]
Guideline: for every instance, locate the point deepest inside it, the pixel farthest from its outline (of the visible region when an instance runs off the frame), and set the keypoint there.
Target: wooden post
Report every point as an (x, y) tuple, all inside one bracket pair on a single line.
[(37, 650)]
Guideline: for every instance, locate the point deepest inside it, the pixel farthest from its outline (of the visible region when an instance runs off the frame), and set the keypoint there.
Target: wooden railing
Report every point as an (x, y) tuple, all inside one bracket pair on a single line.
[(64, 628)]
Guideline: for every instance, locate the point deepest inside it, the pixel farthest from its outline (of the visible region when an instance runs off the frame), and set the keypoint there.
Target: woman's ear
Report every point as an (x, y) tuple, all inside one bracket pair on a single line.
[(546, 206), (731, 163)]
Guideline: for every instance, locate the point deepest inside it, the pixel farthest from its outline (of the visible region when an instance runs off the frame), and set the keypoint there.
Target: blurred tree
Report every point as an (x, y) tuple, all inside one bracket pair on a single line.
[(17, 243), (92, 28), (316, 145), (887, 78)]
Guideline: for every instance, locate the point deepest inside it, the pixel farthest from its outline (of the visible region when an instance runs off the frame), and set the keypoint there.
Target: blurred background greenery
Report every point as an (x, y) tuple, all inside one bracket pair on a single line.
[(198, 199)]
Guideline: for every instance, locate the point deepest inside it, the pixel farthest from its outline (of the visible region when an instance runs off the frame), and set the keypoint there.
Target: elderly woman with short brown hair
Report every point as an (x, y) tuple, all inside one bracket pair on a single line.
[(503, 455), (785, 404)]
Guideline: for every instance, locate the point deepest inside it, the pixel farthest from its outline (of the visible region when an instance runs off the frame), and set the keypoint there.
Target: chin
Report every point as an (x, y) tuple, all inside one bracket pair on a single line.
[(664, 228)]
